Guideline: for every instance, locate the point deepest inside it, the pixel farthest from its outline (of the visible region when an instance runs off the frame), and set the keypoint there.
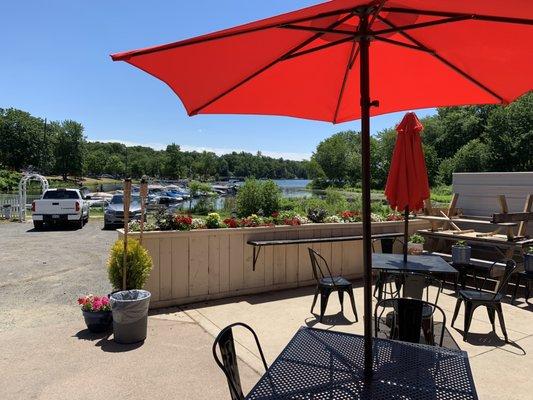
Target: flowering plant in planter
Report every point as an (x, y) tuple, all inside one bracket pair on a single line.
[(394, 216), (232, 222), (252, 221), (183, 222), (92, 303), (96, 312), (351, 216), (198, 223)]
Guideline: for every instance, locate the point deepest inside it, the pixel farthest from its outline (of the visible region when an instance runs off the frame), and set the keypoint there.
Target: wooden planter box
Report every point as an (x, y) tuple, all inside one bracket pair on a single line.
[(212, 264)]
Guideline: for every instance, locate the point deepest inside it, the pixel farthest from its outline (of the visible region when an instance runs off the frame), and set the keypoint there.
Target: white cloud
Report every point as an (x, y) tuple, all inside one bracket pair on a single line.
[(216, 150)]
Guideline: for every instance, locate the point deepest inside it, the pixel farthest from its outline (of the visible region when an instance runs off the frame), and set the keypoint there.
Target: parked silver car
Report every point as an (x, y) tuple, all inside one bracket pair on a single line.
[(114, 213)]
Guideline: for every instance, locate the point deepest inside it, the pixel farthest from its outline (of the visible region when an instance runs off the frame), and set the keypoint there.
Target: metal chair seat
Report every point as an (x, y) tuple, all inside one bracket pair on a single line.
[(327, 284), (475, 295), (334, 281), (490, 300)]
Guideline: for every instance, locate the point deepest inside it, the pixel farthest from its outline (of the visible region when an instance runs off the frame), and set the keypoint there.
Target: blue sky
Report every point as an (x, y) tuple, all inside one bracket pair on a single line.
[(55, 64)]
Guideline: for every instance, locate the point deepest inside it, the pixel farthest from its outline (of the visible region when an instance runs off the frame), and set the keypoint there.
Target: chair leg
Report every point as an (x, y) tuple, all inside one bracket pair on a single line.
[(314, 299), (456, 312), (469, 311), (352, 300), (492, 316), (502, 322), (516, 285), (324, 295), (341, 299)]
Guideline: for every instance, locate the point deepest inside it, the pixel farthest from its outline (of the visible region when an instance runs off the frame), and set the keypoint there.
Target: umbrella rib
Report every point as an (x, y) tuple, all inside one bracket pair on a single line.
[(409, 46), (345, 78), (445, 61), (491, 18), (223, 35), (353, 56), (321, 47), (270, 65)]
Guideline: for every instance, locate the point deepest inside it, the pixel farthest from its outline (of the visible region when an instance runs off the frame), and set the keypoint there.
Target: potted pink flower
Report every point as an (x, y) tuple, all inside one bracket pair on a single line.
[(96, 312)]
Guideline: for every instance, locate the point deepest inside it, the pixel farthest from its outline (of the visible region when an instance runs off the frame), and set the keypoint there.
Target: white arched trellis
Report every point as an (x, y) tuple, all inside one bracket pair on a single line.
[(22, 191)]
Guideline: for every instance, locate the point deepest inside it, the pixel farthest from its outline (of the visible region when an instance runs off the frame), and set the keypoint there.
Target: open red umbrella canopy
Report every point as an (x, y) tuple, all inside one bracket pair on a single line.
[(407, 183), (305, 64)]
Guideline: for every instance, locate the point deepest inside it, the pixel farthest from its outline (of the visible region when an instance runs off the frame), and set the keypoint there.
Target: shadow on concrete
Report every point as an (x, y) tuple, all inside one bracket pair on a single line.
[(332, 320), (491, 339), (105, 343)]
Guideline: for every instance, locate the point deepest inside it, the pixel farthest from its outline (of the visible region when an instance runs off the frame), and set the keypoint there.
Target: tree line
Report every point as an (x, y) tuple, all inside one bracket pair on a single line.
[(456, 139), (60, 148)]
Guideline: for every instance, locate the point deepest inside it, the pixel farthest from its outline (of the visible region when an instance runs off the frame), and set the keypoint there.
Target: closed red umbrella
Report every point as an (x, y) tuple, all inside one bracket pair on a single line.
[(407, 184), (315, 63)]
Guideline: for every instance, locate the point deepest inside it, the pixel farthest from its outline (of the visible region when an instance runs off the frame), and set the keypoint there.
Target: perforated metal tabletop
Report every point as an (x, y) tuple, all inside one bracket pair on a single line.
[(319, 364)]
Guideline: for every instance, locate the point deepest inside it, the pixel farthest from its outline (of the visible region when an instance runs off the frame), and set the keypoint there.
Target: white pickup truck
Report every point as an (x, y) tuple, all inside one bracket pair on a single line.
[(60, 206)]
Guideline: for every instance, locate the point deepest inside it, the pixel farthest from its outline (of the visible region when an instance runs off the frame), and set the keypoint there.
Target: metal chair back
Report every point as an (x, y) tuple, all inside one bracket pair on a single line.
[(226, 344), (510, 268), (407, 318), (316, 261)]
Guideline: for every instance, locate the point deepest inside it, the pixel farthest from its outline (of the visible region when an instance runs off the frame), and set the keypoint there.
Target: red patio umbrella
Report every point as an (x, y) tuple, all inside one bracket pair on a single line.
[(407, 184), (315, 63)]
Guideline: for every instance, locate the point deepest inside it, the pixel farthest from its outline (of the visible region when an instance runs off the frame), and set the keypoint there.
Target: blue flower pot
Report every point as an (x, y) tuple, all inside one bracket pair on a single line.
[(99, 321), (461, 254)]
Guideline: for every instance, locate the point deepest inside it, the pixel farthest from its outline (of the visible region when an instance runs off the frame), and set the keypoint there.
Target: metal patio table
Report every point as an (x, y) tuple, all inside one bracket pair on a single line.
[(320, 364), (423, 264)]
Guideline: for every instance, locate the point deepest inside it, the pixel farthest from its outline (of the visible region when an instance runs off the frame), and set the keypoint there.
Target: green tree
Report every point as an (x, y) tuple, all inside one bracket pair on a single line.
[(339, 157), (509, 136), (472, 157), (115, 166), (69, 149)]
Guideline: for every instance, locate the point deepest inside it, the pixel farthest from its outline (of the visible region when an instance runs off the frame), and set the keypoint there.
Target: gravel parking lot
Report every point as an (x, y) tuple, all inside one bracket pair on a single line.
[(42, 273)]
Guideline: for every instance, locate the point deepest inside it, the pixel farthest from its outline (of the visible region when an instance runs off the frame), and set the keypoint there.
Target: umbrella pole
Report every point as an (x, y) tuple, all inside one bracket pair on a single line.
[(405, 233), (365, 156), (126, 201)]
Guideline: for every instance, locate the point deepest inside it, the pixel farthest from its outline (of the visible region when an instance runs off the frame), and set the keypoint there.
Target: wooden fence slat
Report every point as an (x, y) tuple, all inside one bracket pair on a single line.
[(236, 266), (198, 266), (292, 258), (214, 264), (224, 263), (152, 284), (165, 269), (280, 265), (180, 267)]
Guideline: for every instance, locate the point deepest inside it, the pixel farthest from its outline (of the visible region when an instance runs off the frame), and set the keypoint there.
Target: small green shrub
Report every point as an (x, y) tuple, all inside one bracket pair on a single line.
[(256, 197), (249, 198), (461, 243), (270, 197), (138, 265), (213, 221)]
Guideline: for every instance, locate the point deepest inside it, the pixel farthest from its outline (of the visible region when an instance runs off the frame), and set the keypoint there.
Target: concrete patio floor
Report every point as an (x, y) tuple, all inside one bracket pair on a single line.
[(501, 370)]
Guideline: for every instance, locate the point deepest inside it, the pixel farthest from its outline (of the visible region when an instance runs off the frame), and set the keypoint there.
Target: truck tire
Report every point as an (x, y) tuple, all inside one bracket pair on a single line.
[(38, 225)]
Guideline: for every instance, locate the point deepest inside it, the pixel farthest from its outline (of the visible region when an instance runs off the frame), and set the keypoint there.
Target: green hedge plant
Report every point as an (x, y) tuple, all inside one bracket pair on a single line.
[(138, 266)]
